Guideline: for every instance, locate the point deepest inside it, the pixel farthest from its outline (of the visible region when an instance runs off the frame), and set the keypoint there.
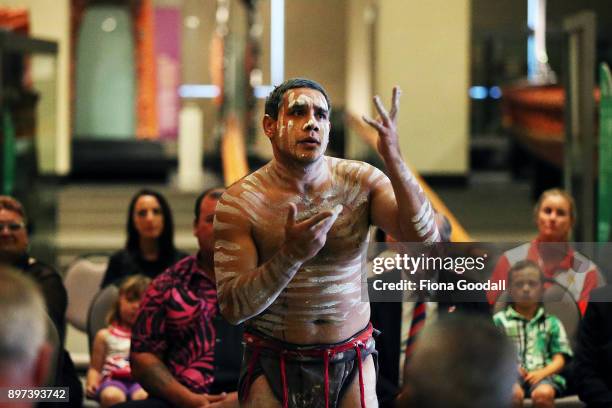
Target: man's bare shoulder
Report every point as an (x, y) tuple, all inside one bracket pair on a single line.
[(247, 183), (248, 198), (355, 170)]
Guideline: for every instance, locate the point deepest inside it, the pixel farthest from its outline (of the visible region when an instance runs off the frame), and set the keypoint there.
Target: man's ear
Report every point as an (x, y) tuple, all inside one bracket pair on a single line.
[(269, 126), (42, 365)]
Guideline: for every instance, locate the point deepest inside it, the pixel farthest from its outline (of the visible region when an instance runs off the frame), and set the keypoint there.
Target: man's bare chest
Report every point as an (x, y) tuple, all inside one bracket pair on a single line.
[(346, 236)]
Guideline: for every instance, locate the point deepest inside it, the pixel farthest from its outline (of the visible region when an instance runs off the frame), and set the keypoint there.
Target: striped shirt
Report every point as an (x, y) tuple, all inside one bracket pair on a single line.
[(117, 359)]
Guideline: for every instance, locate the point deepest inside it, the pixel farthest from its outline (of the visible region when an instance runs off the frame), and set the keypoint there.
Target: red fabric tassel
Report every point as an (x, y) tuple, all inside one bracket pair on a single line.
[(284, 379), (247, 383), (326, 362), (361, 386)]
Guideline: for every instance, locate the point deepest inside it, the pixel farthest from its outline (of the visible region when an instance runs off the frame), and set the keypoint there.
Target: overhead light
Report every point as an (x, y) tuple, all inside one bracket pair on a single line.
[(192, 22), (109, 24), (495, 92), (478, 92), (199, 91)]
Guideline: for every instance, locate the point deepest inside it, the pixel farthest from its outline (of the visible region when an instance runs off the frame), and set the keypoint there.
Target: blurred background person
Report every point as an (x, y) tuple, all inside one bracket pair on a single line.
[(462, 361), (184, 353), (401, 320), (555, 215), (24, 353), (593, 360), (149, 248), (540, 338), (109, 378), (14, 240)]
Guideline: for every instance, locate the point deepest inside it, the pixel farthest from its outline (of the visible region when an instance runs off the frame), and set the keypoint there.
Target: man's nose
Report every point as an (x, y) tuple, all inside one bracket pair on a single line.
[(312, 124)]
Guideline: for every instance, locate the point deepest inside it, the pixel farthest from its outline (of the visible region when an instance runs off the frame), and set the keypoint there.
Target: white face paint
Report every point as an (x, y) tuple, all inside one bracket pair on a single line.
[(303, 125), (310, 124)]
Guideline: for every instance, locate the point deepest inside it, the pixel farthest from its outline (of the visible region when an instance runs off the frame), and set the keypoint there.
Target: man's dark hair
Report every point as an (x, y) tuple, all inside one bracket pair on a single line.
[(275, 99), (461, 361), (198, 202), (165, 240)]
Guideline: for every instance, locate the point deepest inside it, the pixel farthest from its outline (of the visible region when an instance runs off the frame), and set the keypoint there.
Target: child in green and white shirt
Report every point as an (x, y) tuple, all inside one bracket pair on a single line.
[(540, 338)]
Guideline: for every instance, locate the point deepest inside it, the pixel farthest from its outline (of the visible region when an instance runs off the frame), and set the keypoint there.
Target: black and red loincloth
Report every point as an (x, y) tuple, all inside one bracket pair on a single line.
[(313, 376)]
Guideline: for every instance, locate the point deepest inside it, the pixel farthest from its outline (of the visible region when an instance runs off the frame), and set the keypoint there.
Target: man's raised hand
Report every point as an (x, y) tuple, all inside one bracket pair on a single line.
[(304, 239), (386, 125)]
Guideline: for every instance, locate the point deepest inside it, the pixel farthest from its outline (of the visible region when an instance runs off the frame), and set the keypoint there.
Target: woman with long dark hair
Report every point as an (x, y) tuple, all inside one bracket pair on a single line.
[(149, 248)]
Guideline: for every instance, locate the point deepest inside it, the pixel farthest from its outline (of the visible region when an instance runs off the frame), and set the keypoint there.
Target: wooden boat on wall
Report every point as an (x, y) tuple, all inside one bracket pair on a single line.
[(534, 115)]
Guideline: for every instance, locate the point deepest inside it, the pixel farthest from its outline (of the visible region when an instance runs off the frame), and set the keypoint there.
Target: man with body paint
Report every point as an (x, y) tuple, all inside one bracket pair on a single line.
[(289, 240)]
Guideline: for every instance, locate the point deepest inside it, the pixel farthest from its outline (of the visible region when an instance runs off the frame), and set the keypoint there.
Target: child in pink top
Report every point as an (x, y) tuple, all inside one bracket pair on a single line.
[(109, 378)]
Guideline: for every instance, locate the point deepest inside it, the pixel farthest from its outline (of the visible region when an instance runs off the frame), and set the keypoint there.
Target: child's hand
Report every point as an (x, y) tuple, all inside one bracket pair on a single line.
[(90, 389), (535, 377), (522, 372)]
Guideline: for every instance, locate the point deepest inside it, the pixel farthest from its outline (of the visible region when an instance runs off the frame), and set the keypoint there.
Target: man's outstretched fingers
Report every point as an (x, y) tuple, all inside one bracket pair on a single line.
[(397, 92), (291, 215), (376, 125), (315, 220), (381, 110), (326, 224)]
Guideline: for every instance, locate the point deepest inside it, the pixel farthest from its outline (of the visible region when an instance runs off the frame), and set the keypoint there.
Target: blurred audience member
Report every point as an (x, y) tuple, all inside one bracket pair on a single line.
[(149, 249), (462, 361), (540, 338), (593, 362), (14, 241), (555, 215), (173, 339), (25, 356), (402, 318), (109, 378)]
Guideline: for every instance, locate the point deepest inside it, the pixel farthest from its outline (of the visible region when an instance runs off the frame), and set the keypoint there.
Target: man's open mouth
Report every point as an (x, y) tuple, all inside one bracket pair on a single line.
[(310, 141)]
